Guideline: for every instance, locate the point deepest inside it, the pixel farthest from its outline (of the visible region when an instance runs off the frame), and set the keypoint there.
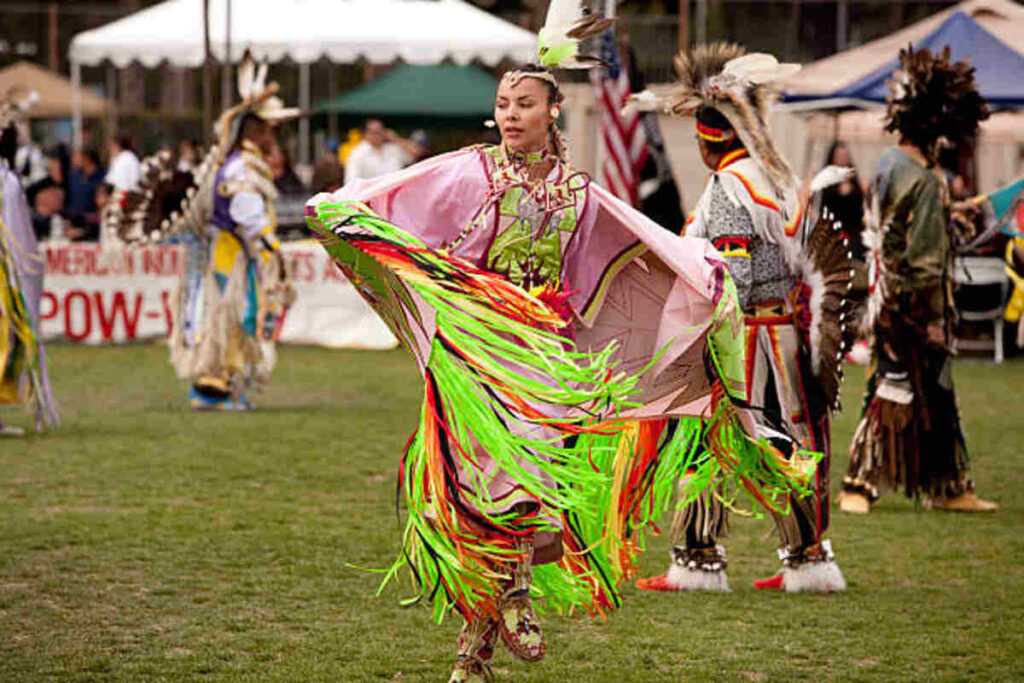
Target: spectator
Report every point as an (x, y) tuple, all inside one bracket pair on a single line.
[(83, 184), (125, 170), (355, 136), (286, 180), (102, 197), (28, 164), (421, 140), (846, 200), (188, 156), (46, 197), (380, 152), (328, 173)]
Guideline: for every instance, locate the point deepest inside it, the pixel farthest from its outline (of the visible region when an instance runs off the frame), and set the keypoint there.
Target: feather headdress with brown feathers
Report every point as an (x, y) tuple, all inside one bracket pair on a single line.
[(933, 101), (741, 86), (829, 270), (146, 215)]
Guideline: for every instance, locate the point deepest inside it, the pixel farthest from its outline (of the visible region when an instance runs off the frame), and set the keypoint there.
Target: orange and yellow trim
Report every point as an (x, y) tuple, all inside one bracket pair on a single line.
[(758, 198), (731, 157)]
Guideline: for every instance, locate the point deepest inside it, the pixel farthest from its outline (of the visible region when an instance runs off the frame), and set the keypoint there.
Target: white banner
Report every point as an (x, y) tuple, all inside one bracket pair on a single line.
[(114, 295)]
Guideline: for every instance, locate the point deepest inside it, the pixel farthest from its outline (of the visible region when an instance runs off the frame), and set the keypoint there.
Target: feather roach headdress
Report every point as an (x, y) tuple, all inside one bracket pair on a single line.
[(739, 85), (259, 98), (934, 102)]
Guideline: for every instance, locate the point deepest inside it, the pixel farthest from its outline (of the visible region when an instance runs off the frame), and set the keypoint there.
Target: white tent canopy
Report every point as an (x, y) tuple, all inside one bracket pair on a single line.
[(380, 31), (417, 31)]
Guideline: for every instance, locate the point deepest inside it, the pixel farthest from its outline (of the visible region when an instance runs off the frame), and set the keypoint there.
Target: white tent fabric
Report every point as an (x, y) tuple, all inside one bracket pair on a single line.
[(381, 31)]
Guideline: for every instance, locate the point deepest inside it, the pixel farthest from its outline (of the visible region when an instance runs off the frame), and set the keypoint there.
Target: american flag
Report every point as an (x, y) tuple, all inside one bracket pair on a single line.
[(622, 144)]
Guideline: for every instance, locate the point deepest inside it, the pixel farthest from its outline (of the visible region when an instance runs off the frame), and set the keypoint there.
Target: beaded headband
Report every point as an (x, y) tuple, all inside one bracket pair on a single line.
[(514, 77)]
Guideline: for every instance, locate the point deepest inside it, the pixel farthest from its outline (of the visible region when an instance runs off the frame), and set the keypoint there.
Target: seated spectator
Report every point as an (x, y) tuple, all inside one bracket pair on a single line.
[(188, 156), (80, 208), (328, 173), (285, 179), (46, 197)]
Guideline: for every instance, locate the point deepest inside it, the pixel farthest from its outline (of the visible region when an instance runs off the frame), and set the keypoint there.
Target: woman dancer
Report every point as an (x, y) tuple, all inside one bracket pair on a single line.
[(568, 345)]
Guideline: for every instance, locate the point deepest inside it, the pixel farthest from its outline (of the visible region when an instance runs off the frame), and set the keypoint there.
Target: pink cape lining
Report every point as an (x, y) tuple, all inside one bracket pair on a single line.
[(636, 283)]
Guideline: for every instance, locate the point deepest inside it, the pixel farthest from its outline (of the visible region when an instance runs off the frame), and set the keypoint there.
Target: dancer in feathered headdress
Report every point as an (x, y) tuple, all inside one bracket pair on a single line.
[(235, 289), (909, 435), (793, 271), (23, 370), (574, 354)]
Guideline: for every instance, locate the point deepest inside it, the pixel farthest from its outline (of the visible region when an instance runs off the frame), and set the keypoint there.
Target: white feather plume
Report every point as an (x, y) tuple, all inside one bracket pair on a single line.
[(562, 15), (829, 176), (246, 77), (645, 101), (757, 68), (260, 84)]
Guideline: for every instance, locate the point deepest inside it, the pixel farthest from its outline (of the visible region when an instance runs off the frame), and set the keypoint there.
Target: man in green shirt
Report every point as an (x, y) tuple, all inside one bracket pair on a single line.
[(909, 435)]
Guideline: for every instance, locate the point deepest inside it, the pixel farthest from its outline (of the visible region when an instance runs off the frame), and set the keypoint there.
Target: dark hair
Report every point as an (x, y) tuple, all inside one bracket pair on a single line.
[(249, 126), (59, 152), (555, 95), (124, 141), (712, 118), (937, 98), (9, 144), (832, 149), (92, 155)]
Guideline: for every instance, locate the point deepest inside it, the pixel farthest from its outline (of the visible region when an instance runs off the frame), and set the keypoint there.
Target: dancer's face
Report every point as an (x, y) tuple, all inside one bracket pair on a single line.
[(524, 114)]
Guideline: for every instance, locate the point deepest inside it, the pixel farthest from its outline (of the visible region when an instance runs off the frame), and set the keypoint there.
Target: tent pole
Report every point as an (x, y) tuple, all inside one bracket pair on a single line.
[(332, 92), (207, 75), (76, 105), (702, 21), (842, 24), (111, 92), (684, 25), (304, 105), (226, 64)]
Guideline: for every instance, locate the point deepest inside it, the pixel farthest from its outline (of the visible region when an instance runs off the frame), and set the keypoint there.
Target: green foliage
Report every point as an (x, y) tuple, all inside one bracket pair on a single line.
[(144, 542)]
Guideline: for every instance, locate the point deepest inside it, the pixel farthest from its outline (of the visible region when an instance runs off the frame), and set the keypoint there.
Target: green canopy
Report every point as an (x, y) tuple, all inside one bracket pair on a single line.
[(440, 90)]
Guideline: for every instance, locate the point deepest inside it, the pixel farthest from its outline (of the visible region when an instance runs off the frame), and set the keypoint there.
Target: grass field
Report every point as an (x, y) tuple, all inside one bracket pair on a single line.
[(143, 542)]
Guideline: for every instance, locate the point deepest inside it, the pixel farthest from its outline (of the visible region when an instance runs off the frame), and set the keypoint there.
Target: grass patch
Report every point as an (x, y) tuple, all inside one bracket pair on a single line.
[(141, 541)]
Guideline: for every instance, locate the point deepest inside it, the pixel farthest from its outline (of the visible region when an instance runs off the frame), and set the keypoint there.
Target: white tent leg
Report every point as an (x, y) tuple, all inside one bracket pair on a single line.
[(76, 105), (304, 121)]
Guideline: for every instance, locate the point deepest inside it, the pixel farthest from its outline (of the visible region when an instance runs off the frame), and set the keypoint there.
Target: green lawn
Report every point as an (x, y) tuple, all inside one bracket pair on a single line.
[(143, 542)]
